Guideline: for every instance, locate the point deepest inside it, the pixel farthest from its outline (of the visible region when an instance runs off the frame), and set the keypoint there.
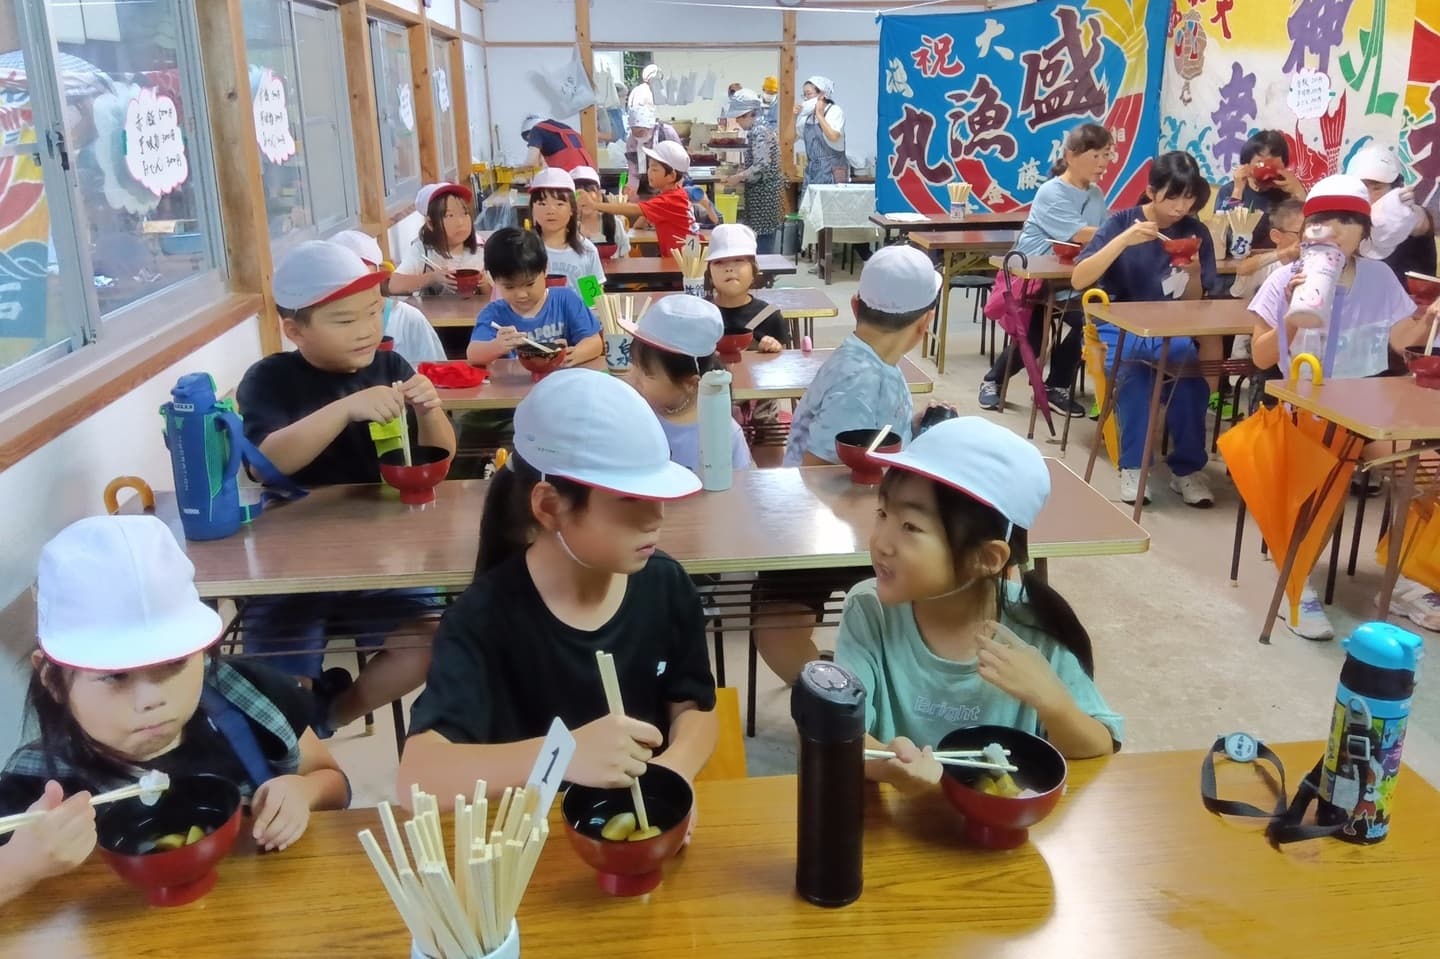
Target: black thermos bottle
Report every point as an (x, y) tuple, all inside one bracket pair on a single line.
[(828, 706)]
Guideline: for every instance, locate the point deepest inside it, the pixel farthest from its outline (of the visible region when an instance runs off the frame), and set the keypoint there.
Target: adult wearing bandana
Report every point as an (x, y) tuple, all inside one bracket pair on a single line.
[(643, 95), (821, 125), (645, 131), (554, 144)]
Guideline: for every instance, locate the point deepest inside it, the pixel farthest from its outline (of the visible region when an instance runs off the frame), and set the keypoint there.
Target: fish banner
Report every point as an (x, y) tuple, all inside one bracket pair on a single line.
[(986, 98), (1420, 113)]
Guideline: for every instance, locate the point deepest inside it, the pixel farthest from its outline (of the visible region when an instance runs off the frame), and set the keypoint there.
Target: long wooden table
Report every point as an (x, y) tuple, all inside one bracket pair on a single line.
[(757, 376), (343, 538), (944, 221), (1392, 409), (1128, 865), (961, 251), (1048, 267), (657, 269)]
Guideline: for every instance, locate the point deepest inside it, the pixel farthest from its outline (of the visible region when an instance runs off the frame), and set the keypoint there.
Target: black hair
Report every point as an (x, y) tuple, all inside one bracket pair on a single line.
[(757, 279), (968, 523), (1362, 220), (572, 229), (670, 170), (515, 254), (889, 322), (1287, 209), (1268, 141), (1177, 174), (676, 366), (1083, 139), (508, 525), (432, 232)]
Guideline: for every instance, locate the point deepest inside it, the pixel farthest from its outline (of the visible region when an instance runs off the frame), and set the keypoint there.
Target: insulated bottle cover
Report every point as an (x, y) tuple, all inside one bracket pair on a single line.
[(828, 706)]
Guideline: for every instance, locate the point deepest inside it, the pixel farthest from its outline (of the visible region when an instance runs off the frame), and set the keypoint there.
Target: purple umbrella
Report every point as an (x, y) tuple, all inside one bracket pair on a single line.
[(1010, 305)]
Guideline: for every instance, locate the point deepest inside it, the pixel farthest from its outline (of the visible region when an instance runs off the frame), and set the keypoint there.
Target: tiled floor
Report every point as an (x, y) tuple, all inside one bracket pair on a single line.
[(1176, 644)]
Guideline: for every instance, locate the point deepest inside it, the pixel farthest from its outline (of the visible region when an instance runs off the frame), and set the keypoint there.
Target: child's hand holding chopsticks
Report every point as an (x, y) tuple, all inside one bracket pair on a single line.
[(611, 752), (913, 770), (420, 393), (378, 404)]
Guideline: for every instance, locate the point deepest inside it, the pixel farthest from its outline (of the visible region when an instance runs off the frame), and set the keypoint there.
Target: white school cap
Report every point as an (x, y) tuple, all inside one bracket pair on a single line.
[(642, 115), (594, 429), (584, 174), (729, 240), (318, 272), (743, 101), (430, 191), (680, 323), (552, 178), (651, 71), (671, 154), (116, 593), (1338, 193), (362, 245), (1374, 162), (529, 122), (983, 460), (899, 279)]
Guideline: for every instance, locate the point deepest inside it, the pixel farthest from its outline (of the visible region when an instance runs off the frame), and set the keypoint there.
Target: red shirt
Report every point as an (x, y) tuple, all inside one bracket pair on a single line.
[(671, 216)]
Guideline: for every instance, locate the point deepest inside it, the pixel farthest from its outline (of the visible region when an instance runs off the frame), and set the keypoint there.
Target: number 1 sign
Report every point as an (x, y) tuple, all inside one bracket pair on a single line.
[(555, 755)]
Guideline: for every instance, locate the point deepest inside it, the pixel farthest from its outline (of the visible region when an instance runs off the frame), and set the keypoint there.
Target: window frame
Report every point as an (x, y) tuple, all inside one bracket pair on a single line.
[(398, 193), (344, 134), (444, 119)]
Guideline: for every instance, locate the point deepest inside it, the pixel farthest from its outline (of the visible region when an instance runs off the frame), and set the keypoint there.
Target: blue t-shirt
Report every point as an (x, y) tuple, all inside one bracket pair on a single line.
[(1143, 272), (854, 390), (562, 316), (1058, 212)]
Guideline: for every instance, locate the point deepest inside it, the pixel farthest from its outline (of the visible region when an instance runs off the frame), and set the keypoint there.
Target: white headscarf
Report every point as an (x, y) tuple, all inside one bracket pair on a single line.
[(650, 72), (823, 84)]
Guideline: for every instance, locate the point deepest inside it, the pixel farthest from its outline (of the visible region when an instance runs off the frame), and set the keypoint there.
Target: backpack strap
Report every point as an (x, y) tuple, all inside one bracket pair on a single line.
[(232, 723), (770, 310), (279, 488)]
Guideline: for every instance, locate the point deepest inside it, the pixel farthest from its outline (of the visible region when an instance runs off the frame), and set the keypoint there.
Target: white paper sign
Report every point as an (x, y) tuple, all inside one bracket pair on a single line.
[(1309, 95), (442, 91), (154, 149), (407, 107), (272, 120), (555, 755)]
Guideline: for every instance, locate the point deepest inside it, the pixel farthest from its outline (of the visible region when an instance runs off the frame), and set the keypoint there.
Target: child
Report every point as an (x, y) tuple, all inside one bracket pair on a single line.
[(1403, 234), (1126, 258), (1282, 247), (700, 206), (859, 387), (669, 211), (1256, 194), (1372, 314), (121, 685), (415, 339), (447, 239), (674, 346), (609, 233), (557, 220), (567, 566), (731, 272), (527, 308), (309, 411), (949, 621)]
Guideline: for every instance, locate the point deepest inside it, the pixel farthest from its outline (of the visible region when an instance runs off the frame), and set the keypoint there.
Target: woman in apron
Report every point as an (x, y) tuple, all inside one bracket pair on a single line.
[(822, 130), (645, 131)]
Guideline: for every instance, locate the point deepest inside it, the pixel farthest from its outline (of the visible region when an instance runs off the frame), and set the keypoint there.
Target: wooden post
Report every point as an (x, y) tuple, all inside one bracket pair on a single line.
[(237, 159), (424, 96), (460, 108), (364, 121), (589, 131), (787, 93)]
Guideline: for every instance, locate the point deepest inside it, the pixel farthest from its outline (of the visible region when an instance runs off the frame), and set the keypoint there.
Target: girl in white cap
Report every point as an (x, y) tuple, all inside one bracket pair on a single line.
[(121, 685), (568, 566), (950, 632), (732, 270), (415, 337), (556, 217), (446, 243), (674, 346), (610, 233)]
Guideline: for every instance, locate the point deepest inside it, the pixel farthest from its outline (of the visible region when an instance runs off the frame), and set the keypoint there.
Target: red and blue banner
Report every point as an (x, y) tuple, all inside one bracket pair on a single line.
[(986, 98)]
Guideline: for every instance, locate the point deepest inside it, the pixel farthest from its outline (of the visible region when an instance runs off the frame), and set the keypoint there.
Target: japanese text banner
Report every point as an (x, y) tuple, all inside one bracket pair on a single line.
[(986, 97)]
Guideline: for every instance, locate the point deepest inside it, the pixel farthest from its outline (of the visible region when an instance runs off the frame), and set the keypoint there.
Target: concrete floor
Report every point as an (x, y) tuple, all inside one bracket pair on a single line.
[(1175, 643)]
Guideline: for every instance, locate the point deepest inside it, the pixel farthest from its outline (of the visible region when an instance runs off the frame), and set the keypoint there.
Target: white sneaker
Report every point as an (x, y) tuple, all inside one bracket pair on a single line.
[(1194, 489), (1313, 624), (1415, 601), (1130, 486)]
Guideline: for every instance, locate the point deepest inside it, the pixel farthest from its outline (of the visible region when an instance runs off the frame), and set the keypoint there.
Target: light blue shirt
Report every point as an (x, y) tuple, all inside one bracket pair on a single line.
[(684, 439), (854, 390), (1058, 212), (916, 694)]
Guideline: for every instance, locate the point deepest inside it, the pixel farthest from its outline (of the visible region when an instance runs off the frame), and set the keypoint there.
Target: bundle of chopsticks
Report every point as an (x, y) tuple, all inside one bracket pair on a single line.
[(959, 192), (691, 260), (1242, 220), (466, 914), (617, 308), (968, 758)]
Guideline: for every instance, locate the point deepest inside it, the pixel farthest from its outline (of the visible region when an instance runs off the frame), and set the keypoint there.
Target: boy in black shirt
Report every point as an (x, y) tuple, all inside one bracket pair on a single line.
[(309, 411)]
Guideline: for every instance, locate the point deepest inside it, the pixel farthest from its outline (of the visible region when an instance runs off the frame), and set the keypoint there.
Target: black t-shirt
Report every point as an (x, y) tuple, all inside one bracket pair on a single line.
[(1415, 254), (284, 388), (202, 748), (504, 666), (737, 320)]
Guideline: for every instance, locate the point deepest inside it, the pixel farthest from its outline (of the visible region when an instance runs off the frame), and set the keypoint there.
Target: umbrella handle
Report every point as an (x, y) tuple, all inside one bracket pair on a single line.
[(1010, 277), (1306, 359), (1093, 295)]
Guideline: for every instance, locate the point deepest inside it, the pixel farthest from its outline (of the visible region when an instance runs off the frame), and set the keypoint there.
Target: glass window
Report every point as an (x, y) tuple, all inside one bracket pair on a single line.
[(444, 87), (395, 100), (325, 101), (137, 135)]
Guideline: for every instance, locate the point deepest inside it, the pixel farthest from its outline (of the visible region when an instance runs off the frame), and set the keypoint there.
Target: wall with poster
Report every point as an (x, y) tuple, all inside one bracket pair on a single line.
[(1329, 74), (986, 96)]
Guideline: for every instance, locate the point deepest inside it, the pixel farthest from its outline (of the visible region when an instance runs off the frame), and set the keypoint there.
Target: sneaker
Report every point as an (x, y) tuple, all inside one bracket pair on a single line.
[(326, 688), (1062, 403), (1226, 412), (1094, 412), (1366, 483), (1415, 601), (1194, 489), (1313, 623), (989, 395), (1130, 486)]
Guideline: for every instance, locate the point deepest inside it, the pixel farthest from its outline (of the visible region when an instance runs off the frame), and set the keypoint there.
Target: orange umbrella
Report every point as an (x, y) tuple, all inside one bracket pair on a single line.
[(1420, 552), (1097, 366), (1292, 481)]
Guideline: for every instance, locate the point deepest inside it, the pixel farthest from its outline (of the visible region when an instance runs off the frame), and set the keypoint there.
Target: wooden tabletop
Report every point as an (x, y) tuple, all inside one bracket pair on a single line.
[(360, 537), (1377, 408), (974, 241), (638, 237), (1178, 317), (801, 302), (1128, 865), (450, 312), (653, 267), (796, 303), (984, 221), (757, 376), (1048, 267)]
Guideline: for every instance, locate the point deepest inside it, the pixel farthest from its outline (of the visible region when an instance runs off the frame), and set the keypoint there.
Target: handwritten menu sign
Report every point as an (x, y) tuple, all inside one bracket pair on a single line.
[(1309, 94), (442, 90), (272, 119), (154, 148), (407, 107)]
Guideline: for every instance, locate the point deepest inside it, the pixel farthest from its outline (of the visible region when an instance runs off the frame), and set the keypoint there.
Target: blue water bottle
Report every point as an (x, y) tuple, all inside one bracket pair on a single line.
[(1367, 731)]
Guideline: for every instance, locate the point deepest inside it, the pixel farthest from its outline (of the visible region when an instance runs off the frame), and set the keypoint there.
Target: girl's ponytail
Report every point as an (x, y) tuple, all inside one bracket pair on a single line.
[(508, 524), (1044, 609)]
